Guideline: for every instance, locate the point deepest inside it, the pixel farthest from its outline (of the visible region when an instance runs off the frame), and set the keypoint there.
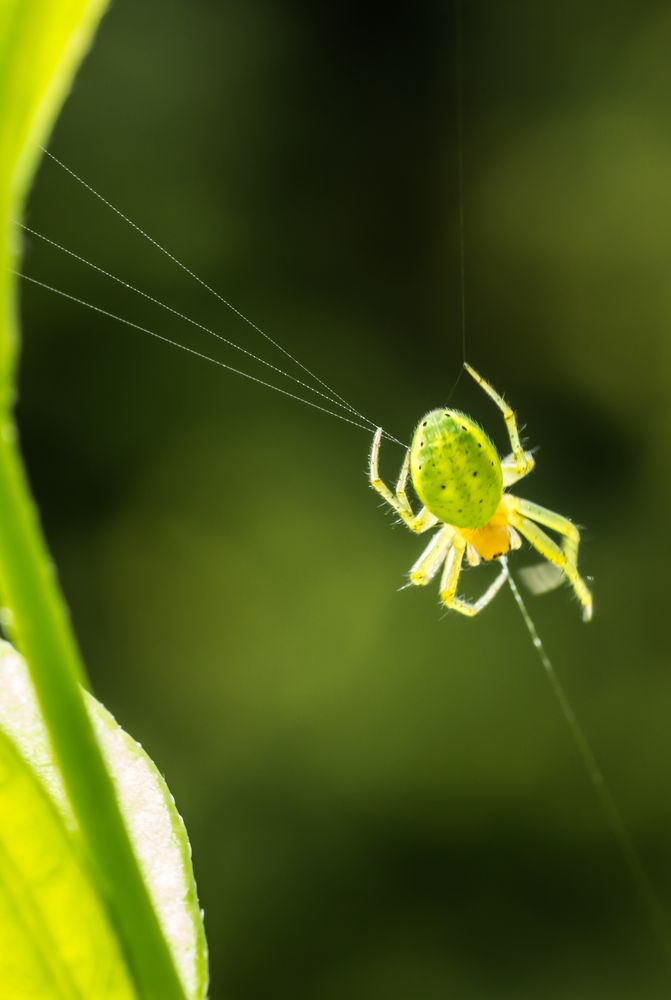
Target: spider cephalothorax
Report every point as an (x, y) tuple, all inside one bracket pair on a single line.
[(461, 481)]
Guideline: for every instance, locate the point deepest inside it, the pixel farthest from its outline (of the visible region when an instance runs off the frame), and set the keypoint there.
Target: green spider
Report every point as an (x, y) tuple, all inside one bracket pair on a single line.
[(461, 481)]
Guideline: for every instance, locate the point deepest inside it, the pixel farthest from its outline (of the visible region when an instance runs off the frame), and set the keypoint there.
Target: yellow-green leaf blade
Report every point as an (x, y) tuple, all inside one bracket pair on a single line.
[(55, 939), (41, 44), (155, 827)]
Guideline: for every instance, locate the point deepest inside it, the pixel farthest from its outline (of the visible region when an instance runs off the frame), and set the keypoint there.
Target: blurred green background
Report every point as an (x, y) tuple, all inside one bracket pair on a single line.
[(383, 801)]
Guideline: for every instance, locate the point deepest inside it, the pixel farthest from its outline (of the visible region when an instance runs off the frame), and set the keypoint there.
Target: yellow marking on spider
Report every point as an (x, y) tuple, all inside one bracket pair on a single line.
[(462, 483)]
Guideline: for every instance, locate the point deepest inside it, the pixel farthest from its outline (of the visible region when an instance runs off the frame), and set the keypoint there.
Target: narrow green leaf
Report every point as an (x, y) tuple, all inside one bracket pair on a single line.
[(41, 44), (155, 827)]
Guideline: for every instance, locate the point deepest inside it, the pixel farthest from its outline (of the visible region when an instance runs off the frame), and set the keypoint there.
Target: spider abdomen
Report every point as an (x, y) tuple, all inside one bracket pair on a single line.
[(455, 469)]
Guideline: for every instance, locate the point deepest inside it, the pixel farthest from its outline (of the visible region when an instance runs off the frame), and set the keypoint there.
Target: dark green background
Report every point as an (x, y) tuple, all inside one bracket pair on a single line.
[(383, 800)]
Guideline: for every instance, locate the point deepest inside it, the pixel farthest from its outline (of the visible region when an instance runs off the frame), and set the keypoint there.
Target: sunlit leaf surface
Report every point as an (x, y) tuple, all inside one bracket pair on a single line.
[(65, 932), (55, 939)]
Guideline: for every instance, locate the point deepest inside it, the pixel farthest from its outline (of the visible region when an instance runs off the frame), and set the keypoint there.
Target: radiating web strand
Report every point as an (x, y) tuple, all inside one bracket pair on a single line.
[(197, 354), (655, 913), (187, 319), (196, 277)]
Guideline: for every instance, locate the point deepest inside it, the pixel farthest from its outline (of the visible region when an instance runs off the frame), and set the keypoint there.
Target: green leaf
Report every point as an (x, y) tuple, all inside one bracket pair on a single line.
[(55, 939), (36, 79), (41, 44), (156, 831)]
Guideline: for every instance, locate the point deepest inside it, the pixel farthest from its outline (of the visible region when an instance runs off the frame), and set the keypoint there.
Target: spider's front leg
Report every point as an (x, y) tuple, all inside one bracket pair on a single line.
[(398, 500), (548, 548), (450, 581), (549, 519), (432, 558), (520, 463)]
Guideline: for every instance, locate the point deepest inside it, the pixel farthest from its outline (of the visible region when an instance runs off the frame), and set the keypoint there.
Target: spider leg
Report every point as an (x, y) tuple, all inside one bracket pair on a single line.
[(520, 462), (432, 558), (403, 481), (556, 555), (512, 472), (398, 500), (549, 519), (450, 580)]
